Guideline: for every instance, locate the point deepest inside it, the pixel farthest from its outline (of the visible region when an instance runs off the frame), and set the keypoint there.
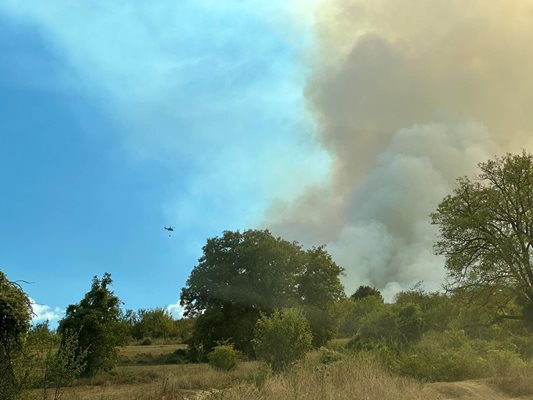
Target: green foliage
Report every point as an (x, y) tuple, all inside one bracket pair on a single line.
[(155, 323), (366, 291), (179, 356), (242, 275), (485, 230), (40, 335), (452, 356), (63, 366), (437, 311), (411, 324), (328, 356), (445, 356), (223, 356), (319, 290), (282, 338), (96, 319), (15, 315), (353, 313)]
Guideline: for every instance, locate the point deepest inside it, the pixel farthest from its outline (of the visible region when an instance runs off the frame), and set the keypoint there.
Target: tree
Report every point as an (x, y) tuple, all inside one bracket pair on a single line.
[(319, 291), (242, 275), (15, 316), (96, 320), (486, 231), (155, 323), (365, 291), (282, 338)]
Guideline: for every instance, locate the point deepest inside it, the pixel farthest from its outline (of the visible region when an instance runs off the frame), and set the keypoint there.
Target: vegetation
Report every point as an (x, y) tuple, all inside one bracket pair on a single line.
[(156, 323), (224, 357), (257, 305), (282, 338), (486, 230), (15, 315), (62, 367), (96, 320), (366, 291), (242, 275)]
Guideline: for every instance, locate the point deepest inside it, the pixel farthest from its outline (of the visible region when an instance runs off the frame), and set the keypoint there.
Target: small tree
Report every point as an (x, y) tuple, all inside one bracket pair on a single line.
[(223, 356), (63, 366), (96, 319), (282, 338), (15, 315)]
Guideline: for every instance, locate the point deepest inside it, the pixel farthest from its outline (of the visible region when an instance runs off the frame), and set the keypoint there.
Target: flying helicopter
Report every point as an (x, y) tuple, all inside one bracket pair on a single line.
[(169, 229)]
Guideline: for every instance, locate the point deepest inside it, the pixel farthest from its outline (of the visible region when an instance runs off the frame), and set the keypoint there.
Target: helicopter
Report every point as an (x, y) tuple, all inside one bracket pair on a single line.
[(169, 229)]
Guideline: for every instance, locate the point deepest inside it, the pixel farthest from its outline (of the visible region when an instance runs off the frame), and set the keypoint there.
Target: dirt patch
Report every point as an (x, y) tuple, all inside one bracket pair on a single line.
[(469, 390)]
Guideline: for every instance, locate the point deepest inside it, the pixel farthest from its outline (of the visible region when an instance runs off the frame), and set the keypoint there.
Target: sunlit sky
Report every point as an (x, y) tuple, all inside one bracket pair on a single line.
[(119, 118)]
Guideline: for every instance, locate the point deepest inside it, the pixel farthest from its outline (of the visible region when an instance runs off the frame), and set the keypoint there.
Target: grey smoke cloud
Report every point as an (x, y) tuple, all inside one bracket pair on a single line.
[(407, 96)]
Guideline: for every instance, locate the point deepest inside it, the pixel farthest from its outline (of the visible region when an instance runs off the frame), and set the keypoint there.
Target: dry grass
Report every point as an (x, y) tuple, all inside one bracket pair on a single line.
[(350, 379), (517, 381), (155, 382)]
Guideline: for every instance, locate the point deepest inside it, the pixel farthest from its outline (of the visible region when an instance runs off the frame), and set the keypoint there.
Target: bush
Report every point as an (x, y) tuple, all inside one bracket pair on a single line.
[(180, 356), (223, 357), (446, 356), (146, 342), (282, 338), (451, 356), (328, 356)]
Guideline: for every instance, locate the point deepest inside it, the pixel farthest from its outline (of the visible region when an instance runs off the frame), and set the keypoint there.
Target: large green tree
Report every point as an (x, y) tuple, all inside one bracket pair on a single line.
[(486, 231), (15, 316), (96, 321), (244, 274)]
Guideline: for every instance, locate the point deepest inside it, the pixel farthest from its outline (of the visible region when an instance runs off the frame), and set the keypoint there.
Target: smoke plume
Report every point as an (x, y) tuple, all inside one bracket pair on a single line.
[(407, 96)]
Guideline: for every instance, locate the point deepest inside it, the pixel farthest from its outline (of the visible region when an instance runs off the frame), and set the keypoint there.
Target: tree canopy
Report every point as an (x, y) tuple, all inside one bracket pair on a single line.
[(96, 320), (15, 316), (242, 275), (365, 291), (486, 230)]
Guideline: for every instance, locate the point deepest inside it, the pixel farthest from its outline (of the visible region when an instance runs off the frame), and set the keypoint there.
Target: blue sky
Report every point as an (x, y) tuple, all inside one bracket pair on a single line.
[(117, 118)]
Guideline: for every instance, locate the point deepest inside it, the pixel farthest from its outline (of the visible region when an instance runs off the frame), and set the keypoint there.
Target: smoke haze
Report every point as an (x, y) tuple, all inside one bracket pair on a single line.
[(407, 96)]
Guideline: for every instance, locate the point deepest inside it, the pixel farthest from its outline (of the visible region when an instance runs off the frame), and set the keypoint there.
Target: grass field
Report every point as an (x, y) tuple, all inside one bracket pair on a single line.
[(139, 377)]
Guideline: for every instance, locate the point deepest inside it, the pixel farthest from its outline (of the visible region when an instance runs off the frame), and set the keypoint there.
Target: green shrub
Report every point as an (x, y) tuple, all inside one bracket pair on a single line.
[(328, 356), (180, 356), (146, 342), (223, 357), (442, 356), (282, 338)]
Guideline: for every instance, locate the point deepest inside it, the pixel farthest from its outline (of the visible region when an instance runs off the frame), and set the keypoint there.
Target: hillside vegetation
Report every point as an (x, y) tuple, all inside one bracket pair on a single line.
[(266, 318)]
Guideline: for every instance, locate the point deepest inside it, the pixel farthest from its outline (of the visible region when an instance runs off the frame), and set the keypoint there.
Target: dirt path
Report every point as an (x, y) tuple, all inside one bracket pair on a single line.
[(469, 390)]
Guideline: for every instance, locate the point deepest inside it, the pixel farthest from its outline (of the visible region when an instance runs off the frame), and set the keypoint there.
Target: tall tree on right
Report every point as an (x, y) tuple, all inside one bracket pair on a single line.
[(486, 232)]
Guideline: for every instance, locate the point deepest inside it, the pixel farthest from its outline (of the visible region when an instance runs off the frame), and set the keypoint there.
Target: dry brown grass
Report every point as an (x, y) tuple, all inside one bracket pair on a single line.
[(517, 381), (155, 382), (350, 379)]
